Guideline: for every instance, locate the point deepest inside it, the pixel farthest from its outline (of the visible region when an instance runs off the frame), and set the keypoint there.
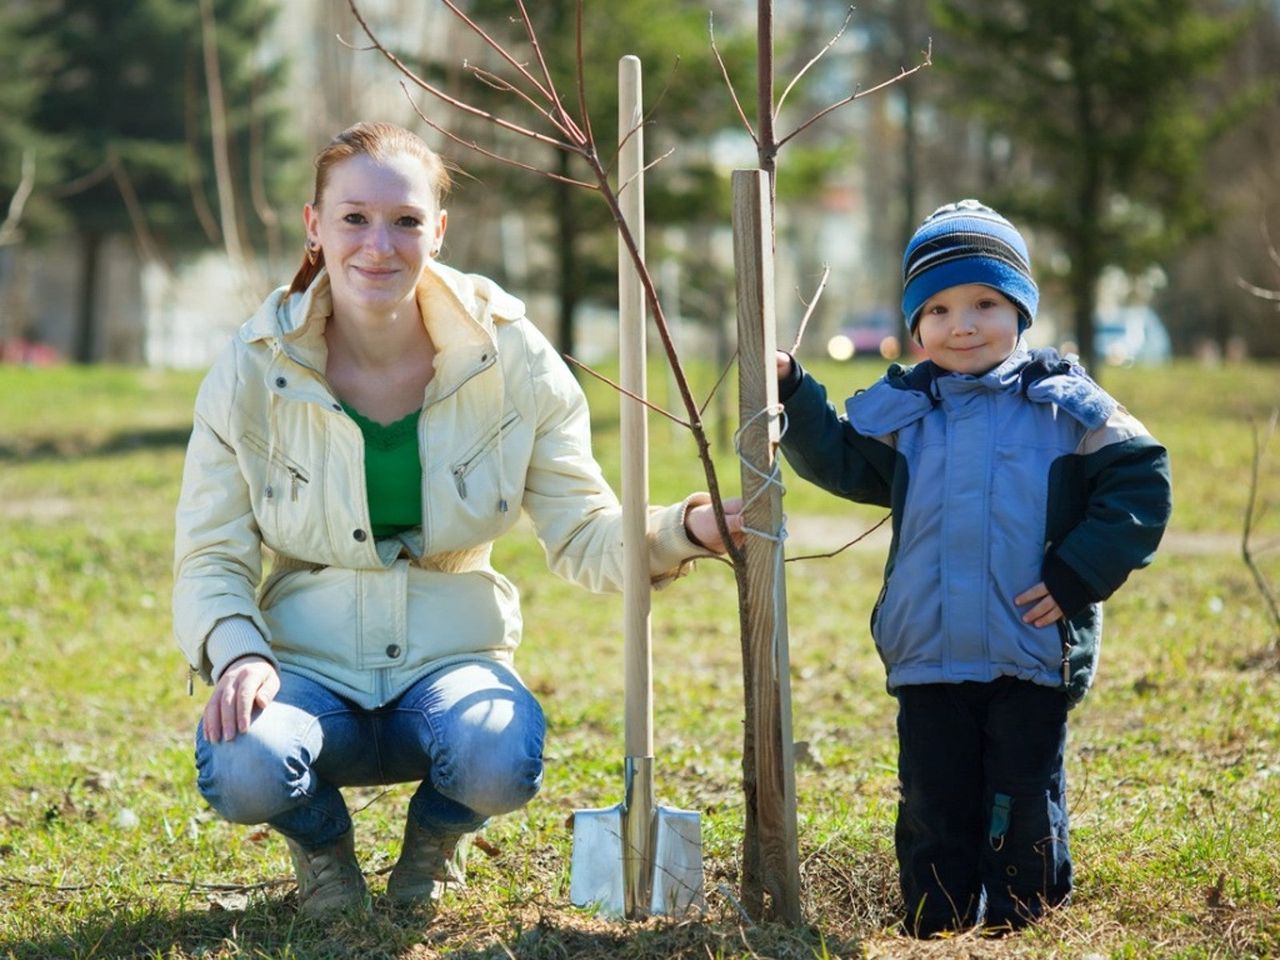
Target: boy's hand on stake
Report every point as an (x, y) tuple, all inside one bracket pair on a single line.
[(784, 365), (1046, 609)]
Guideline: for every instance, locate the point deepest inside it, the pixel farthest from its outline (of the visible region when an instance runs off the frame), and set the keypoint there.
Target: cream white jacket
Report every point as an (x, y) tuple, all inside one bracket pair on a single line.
[(274, 461)]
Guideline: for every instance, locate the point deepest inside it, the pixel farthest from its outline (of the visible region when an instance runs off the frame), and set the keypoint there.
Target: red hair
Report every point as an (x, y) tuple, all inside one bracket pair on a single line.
[(377, 140)]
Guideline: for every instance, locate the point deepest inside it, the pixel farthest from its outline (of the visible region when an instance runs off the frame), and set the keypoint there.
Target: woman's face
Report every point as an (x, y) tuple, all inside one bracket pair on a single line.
[(377, 223)]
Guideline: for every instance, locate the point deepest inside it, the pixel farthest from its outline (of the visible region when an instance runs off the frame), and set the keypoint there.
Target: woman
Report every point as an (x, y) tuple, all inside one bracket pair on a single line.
[(377, 425)]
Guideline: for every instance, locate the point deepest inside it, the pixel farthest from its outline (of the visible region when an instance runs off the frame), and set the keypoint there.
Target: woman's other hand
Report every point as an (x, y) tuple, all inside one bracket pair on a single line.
[(700, 524), (248, 683)]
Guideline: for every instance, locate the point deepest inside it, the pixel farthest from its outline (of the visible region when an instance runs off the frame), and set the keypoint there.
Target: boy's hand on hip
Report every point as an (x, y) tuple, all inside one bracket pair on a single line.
[(1045, 609)]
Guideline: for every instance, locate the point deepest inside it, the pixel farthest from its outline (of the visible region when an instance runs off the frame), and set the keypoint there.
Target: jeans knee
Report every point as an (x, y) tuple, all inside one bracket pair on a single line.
[(249, 779), (497, 780)]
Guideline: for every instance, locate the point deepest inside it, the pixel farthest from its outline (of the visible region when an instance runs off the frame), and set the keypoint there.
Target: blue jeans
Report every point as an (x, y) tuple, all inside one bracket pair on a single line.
[(469, 731), (982, 820)]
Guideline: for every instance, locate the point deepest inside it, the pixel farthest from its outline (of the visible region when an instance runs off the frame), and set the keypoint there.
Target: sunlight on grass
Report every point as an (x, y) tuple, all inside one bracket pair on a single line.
[(106, 849)]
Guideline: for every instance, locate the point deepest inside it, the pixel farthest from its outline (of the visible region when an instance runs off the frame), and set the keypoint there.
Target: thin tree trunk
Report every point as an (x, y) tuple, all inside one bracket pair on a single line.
[(86, 313), (567, 253)]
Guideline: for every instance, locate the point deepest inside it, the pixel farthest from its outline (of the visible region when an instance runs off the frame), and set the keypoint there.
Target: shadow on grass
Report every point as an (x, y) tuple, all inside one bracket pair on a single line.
[(77, 447), (269, 928)]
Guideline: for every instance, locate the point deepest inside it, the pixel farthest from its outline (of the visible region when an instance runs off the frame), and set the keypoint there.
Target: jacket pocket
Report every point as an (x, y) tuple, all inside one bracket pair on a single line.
[(278, 465), (278, 485), (464, 465)]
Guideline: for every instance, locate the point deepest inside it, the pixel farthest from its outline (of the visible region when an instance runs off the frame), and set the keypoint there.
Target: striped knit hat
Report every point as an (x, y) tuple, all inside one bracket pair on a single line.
[(967, 242)]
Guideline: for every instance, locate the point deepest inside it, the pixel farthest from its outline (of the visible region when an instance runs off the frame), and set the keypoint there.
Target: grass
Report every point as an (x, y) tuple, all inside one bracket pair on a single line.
[(106, 849)]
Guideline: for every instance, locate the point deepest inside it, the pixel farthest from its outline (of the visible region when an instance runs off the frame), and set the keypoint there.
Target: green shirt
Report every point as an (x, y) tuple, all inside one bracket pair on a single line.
[(392, 472)]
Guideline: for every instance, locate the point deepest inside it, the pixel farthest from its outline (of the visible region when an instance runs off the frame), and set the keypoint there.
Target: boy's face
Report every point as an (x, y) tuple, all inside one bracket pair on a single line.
[(969, 328)]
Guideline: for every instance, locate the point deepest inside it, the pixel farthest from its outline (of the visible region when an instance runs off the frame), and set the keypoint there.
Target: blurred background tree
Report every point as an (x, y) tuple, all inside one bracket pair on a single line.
[(1132, 138), (1096, 113), (122, 92)]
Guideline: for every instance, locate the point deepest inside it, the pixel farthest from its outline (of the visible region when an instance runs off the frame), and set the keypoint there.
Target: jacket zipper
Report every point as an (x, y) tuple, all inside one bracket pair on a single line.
[(296, 476), (464, 467), (1066, 653)]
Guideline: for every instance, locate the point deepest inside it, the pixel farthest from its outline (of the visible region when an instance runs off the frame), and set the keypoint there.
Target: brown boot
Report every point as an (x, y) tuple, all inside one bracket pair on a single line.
[(427, 862), (329, 878)]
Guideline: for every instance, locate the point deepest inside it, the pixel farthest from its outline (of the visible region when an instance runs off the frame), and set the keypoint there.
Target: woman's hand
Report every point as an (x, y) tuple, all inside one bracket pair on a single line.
[(700, 524), (1046, 609), (249, 682)]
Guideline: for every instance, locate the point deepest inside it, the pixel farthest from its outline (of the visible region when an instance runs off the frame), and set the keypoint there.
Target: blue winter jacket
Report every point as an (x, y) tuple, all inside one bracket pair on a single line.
[(1031, 472)]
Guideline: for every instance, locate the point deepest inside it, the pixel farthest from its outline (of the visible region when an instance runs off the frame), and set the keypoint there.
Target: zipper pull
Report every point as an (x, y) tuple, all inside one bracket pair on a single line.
[(460, 480), (293, 485)]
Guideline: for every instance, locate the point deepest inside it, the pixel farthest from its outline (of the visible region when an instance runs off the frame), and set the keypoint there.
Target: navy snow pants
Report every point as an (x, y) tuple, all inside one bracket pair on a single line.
[(982, 820)]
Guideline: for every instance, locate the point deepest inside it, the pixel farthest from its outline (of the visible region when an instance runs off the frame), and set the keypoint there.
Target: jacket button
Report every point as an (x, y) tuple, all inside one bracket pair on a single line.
[(393, 651), (281, 382), (360, 535)]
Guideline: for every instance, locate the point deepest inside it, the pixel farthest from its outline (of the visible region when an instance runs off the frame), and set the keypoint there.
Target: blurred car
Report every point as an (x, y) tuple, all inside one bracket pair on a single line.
[(876, 333), (1123, 336)]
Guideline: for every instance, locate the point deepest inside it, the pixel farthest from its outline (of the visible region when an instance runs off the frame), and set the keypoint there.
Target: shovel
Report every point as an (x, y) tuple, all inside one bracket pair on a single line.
[(636, 858)]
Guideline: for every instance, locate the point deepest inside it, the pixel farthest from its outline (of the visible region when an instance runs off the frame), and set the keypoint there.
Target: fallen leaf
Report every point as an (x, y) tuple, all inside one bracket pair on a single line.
[(489, 849), (258, 836)]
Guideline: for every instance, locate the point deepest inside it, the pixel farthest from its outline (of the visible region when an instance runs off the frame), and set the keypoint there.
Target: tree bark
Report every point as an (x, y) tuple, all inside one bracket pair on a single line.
[(84, 345), (567, 254)]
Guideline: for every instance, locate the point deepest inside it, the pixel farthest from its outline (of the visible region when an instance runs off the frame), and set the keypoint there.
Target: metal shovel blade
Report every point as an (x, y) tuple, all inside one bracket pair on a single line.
[(595, 877), (677, 863), (598, 871)]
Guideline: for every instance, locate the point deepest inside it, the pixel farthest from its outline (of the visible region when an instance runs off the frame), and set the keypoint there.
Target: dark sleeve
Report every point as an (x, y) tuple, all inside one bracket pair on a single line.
[(1128, 506), (824, 449)]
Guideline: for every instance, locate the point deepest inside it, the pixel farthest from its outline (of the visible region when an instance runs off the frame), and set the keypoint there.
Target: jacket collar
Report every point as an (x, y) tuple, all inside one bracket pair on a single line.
[(906, 394), (459, 310)]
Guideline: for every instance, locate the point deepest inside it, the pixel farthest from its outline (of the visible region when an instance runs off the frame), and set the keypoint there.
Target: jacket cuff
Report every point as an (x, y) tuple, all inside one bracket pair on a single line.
[(789, 384), (233, 638), (671, 550), (1066, 587)]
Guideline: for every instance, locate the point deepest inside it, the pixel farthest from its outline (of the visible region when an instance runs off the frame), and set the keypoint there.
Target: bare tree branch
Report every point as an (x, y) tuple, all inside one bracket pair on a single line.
[(644, 120), (9, 231), (728, 82), (816, 57), (493, 44), (147, 246), (475, 146), (451, 100), (627, 393), (902, 74), (817, 295), (719, 380), (495, 82), (648, 166), (1251, 515), (82, 183), (1262, 293), (1272, 252), (574, 130), (860, 537), (580, 72)]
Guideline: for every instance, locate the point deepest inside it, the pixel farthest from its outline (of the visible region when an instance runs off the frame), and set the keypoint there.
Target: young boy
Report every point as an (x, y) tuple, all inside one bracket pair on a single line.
[(1022, 496)]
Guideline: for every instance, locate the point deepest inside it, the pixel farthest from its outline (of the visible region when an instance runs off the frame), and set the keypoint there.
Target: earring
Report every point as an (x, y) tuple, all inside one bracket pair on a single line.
[(313, 252)]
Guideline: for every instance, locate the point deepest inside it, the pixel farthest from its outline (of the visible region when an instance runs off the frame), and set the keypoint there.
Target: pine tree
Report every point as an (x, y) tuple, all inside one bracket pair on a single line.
[(122, 90), (1100, 97)]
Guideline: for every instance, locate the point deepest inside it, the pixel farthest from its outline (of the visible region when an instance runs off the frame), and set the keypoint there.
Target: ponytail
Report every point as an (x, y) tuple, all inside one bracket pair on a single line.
[(307, 272)]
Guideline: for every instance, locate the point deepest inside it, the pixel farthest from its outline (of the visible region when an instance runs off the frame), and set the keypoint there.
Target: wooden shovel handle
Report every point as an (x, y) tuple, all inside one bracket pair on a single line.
[(635, 434)]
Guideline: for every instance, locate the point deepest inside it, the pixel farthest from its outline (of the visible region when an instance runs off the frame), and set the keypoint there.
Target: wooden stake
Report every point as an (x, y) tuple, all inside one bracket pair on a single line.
[(766, 666)]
